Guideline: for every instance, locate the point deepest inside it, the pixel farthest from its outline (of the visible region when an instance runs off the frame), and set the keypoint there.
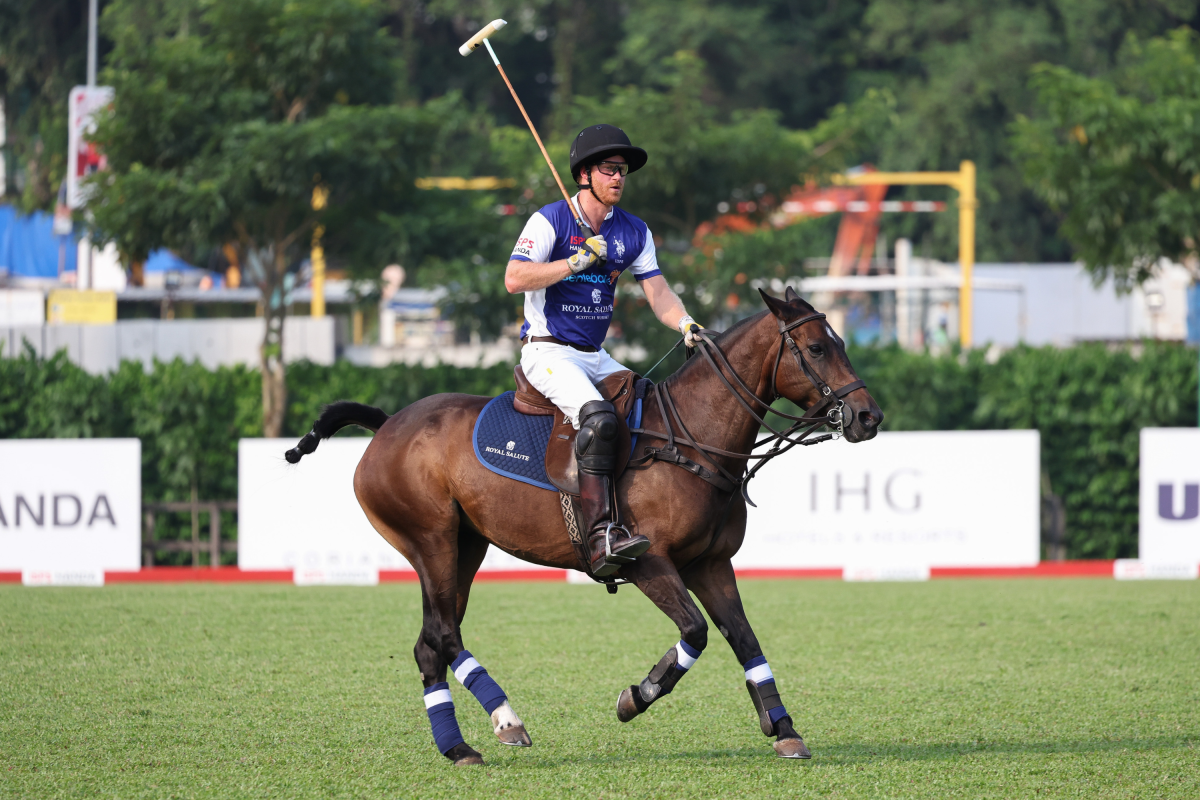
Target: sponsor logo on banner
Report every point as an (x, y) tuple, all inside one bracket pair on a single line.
[(62, 577), (1134, 569), (1169, 498), (70, 504), (912, 500), (893, 573), (308, 576), (1191, 502)]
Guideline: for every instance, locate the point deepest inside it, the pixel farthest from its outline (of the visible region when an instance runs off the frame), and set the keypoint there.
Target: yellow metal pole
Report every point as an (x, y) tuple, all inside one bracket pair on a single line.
[(966, 250), (319, 198)]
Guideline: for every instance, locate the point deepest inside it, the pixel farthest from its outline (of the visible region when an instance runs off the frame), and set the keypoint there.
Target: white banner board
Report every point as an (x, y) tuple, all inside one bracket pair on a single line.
[(901, 500), (70, 504), (306, 515), (1169, 501)]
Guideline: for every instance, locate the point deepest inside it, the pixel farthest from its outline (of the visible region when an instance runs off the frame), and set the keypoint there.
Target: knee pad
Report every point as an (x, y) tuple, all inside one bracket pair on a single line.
[(596, 442)]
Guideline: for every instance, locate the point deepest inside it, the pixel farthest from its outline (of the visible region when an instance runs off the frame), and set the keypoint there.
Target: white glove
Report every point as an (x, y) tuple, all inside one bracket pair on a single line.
[(585, 258), (689, 336)]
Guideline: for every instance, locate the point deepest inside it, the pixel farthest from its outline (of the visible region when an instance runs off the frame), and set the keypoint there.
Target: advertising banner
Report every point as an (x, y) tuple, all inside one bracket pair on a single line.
[(902, 501), (1169, 502), (70, 505), (83, 157), (305, 516)]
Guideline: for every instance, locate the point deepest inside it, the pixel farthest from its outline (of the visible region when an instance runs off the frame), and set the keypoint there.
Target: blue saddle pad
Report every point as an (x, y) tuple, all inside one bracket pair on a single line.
[(513, 444)]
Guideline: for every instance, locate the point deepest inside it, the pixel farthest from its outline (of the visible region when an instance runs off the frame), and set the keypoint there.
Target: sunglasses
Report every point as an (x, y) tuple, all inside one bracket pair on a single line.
[(611, 168)]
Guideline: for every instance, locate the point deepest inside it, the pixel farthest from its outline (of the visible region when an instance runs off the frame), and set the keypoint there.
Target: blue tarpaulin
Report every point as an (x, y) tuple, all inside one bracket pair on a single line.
[(28, 246), (166, 261)]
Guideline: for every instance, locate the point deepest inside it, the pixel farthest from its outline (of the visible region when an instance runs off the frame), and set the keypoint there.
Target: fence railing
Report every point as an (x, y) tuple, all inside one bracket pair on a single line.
[(196, 545)]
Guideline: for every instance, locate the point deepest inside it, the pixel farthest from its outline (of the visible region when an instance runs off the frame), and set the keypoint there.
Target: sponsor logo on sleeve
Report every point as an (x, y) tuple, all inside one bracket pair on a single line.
[(524, 246)]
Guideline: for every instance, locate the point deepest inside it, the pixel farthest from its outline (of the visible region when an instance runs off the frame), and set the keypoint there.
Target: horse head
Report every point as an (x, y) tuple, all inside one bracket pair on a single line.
[(825, 353)]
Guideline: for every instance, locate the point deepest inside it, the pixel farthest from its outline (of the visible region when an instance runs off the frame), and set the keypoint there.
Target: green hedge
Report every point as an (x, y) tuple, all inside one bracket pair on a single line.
[(1088, 402)]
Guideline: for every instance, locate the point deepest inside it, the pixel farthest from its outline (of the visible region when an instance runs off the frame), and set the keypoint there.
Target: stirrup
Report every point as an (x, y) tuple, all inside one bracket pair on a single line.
[(609, 556)]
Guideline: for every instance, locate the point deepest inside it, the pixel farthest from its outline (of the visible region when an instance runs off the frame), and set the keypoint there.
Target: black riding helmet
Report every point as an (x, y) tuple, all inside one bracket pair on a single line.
[(595, 142)]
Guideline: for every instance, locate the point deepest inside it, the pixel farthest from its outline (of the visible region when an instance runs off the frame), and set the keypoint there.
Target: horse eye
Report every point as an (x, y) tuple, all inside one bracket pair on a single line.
[(816, 349)]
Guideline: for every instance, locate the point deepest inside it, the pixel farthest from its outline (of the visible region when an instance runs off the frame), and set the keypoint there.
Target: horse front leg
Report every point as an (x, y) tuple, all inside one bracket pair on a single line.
[(658, 580), (714, 583)]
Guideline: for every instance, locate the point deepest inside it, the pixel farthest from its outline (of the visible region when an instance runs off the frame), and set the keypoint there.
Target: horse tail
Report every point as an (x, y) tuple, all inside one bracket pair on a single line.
[(334, 417)]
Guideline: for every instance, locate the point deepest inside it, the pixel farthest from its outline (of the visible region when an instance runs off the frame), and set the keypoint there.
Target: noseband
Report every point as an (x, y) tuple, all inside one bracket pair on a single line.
[(811, 420)]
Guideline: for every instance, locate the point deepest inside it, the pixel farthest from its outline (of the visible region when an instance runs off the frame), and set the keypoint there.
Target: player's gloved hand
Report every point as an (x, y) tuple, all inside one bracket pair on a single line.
[(592, 252), (690, 337)]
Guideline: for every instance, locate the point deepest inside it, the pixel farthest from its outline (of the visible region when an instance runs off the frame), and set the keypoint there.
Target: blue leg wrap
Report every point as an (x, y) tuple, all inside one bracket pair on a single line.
[(473, 676), (440, 708)]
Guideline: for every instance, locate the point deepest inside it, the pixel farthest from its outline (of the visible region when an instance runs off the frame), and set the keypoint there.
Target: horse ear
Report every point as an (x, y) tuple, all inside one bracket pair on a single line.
[(775, 304), (790, 294)]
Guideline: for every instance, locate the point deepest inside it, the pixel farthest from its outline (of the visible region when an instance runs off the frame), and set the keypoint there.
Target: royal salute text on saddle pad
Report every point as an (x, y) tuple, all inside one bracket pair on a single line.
[(513, 444)]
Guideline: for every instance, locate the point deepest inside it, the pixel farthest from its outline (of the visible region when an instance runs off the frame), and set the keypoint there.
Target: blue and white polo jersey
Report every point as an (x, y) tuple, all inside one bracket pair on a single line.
[(579, 308)]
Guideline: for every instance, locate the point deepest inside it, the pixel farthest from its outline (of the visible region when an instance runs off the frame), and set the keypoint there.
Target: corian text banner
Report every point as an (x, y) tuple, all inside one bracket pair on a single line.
[(929, 499), (1169, 507), (306, 515), (70, 504)]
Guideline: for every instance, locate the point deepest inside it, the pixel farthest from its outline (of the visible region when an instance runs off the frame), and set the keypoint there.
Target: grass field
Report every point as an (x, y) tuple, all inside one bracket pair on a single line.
[(1085, 688)]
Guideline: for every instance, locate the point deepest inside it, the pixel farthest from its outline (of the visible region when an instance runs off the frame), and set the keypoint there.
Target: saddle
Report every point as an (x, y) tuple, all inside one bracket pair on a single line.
[(561, 466)]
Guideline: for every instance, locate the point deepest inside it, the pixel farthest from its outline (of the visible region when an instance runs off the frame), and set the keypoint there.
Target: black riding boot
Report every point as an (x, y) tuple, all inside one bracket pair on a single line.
[(609, 544)]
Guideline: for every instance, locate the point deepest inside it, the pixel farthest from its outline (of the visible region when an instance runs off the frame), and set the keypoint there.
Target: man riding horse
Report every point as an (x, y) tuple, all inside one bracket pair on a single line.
[(569, 284)]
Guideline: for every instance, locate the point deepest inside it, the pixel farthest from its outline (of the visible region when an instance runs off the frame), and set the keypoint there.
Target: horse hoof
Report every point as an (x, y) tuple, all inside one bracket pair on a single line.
[(626, 708), (515, 736), (467, 761), (462, 754), (791, 748)]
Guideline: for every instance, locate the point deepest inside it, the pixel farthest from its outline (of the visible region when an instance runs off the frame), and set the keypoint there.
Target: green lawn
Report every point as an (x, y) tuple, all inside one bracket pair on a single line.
[(1084, 688)]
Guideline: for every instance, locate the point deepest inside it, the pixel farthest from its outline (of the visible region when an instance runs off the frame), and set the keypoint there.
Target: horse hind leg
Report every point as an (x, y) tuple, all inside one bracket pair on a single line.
[(507, 726)]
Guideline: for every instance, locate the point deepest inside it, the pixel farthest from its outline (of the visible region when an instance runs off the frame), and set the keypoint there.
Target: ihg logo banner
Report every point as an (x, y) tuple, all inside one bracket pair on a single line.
[(920, 499), (1169, 507), (69, 504)]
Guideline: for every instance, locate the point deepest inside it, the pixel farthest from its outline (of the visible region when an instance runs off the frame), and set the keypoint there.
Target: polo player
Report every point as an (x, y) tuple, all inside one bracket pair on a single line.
[(569, 284)]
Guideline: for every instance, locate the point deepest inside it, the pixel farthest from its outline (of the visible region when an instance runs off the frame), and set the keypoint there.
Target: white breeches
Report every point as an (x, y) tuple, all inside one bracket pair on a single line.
[(566, 376)]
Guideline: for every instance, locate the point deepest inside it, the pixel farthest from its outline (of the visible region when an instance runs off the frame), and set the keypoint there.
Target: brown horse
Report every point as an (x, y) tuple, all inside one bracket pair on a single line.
[(423, 489)]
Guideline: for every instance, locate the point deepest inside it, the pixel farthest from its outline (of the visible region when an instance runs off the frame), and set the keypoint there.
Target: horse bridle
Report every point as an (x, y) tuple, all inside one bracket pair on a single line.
[(811, 420)]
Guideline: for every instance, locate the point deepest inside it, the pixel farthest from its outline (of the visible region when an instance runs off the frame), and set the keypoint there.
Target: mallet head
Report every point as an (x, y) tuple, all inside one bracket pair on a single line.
[(478, 38)]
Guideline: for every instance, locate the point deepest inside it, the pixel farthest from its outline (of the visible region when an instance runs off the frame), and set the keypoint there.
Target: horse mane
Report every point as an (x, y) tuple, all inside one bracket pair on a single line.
[(799, 306)]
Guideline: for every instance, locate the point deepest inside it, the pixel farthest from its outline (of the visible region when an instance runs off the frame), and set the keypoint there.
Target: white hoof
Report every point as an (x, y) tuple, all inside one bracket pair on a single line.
[(504, 717)]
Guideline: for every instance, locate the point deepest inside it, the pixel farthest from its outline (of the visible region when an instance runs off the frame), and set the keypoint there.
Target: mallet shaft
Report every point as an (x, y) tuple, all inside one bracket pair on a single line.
[(578, 220)]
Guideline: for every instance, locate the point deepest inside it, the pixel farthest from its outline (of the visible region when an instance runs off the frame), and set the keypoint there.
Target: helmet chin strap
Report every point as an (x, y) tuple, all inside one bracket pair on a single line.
[(589, 187)]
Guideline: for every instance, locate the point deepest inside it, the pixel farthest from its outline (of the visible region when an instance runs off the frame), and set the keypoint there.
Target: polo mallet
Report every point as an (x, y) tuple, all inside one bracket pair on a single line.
[(466, 50)]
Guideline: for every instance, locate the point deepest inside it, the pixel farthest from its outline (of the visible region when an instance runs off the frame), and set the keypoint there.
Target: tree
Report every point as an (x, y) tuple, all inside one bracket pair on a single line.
[(225, 130), (43, 49), (959, 72), (1119, 156)]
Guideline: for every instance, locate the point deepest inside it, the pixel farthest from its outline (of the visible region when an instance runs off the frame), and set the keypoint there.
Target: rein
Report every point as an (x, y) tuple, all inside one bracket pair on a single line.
[(831, 399)]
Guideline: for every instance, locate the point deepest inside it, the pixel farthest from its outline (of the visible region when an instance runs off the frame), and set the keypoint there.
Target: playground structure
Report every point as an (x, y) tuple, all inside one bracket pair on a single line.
[(963, 182), (859, 197)]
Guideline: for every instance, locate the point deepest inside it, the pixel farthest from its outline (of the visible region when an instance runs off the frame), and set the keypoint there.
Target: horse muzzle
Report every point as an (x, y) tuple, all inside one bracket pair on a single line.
[(862, 423)]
